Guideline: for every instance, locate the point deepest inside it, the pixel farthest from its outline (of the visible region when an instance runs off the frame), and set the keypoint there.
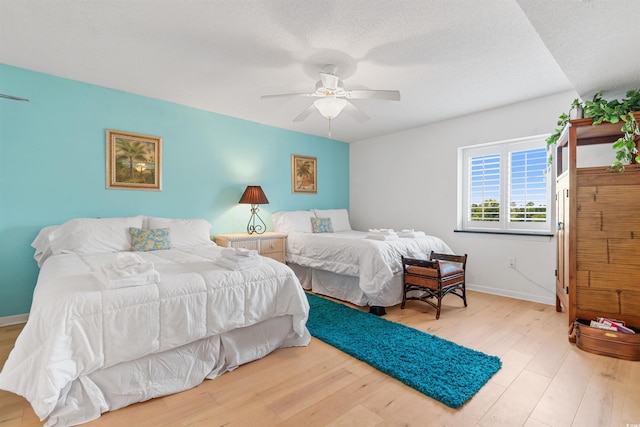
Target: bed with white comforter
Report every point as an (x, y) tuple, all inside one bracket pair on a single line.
[(87, 349), (344, 263)]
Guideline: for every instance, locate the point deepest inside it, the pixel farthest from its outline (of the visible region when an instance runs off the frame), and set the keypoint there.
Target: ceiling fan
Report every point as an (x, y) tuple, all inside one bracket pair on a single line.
[(332, 97)]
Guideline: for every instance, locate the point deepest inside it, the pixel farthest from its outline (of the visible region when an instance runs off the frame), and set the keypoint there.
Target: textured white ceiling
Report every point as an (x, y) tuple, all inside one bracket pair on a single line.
[(446, 57)]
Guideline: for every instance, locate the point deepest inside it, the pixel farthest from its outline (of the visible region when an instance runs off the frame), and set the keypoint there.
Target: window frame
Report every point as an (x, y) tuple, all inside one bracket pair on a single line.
[(503, 225)]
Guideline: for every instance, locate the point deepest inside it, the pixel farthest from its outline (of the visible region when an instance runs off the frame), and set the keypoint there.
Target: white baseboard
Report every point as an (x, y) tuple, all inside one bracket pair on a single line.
[(550, 300), (13, 320)]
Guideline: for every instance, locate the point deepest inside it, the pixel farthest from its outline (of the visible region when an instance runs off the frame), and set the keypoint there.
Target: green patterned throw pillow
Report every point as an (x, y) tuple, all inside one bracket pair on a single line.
[(143, 240), (321, 225)]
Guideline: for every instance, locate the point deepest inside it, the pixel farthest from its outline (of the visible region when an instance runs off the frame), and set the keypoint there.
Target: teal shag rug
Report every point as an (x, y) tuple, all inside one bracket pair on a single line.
[(441, 369)]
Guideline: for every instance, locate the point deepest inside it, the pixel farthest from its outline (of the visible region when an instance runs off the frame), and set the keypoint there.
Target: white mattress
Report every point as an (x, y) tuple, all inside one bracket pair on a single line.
[(85, 350), (371, 265)]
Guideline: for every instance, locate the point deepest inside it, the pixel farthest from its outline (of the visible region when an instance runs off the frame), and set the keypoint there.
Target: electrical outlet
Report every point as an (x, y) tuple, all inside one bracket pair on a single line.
[(511, 261)]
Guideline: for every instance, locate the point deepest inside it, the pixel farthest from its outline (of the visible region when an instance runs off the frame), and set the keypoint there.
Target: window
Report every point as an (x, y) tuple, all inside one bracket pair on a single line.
[(503, 187)]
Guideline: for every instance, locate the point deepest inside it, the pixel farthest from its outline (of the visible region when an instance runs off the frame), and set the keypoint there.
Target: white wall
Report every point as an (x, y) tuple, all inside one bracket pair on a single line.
[(409, 180)]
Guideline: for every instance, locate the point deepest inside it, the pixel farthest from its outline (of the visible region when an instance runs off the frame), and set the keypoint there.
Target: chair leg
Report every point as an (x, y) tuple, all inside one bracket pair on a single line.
[(404, 297), (464, 293)]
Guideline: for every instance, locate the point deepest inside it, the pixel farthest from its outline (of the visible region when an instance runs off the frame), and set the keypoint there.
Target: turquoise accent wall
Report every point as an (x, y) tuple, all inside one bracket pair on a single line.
[(53, 156)]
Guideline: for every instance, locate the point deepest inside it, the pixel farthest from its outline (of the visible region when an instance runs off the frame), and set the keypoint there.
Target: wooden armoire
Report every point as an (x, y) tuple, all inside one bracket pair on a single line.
[(598, 233)]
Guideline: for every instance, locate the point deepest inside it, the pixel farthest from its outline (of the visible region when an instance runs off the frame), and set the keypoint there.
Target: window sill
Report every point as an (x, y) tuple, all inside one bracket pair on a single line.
[(508, 233)]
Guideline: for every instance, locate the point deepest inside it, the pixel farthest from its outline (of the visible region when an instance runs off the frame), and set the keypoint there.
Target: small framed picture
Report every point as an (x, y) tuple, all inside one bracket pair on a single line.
[(134, 161), (304, 174)]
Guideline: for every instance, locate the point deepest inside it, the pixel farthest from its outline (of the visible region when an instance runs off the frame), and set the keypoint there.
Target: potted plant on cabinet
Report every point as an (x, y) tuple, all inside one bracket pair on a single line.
[(577, 110), (612, 111)]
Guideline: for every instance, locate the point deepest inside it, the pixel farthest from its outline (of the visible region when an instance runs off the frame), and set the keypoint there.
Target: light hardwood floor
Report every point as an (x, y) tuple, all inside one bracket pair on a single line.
[(544, 381)]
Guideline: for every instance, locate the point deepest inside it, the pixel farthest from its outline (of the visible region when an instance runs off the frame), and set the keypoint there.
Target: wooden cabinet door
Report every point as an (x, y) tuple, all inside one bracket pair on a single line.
[(562, 240)]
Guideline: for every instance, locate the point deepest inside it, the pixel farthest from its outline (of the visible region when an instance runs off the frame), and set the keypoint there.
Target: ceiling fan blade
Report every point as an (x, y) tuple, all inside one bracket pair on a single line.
[(305, 113), (13, 98), (329, 81), (388, 95), (355, 112), (286, 95)]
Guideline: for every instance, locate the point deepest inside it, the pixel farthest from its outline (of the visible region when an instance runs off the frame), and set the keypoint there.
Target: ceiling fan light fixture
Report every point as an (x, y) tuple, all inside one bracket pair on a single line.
[(330, 107)]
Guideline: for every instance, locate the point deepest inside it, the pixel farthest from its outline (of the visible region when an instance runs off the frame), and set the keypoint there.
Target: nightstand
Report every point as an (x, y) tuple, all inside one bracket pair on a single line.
[(269, 244)]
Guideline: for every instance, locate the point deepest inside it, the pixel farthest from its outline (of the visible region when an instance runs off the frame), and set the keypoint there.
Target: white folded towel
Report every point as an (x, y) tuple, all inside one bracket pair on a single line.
[(382, 236), (382, 231), (238, 254), (127, 270), (248, 262), (411, 233), (125, 260)]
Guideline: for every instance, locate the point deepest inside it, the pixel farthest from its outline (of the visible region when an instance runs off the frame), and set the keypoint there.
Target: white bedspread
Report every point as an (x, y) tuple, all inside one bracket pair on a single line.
[(350, 253), (75, 328)]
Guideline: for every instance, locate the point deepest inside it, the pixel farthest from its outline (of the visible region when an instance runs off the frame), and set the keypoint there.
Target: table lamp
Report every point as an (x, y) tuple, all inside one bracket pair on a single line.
[(254, 196)]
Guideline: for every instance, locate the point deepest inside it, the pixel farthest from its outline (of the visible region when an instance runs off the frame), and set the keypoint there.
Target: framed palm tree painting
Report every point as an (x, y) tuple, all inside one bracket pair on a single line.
[(304, 174), (133, 161)]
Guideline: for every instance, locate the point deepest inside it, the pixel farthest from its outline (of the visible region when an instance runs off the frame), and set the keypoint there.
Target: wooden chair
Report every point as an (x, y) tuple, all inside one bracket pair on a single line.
[(434, 278)]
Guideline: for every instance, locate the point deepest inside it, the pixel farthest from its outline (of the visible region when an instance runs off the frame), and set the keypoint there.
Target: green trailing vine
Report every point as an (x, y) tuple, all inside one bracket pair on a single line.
[(553, 139), (613, 111)]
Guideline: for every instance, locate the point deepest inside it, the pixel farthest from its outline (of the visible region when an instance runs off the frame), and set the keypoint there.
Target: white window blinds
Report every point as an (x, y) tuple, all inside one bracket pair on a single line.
[(504, 187)]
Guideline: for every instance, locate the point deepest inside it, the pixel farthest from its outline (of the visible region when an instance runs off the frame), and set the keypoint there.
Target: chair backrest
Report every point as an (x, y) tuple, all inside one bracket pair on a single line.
[(426, 263), (460, 259)]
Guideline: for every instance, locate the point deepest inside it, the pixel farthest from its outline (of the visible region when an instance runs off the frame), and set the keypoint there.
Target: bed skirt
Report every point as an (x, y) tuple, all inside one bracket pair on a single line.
[(346, 288), (170, 371)]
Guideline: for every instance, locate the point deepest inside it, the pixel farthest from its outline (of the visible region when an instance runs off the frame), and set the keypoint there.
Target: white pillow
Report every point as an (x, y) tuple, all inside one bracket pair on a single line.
[(93, 235), (287, 222), (42, 245), (184, 232), (339, 218)]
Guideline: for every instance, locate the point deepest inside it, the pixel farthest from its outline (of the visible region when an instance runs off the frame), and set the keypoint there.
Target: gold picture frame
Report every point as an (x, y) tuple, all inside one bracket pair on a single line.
[(134, 161), (304, 174)]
